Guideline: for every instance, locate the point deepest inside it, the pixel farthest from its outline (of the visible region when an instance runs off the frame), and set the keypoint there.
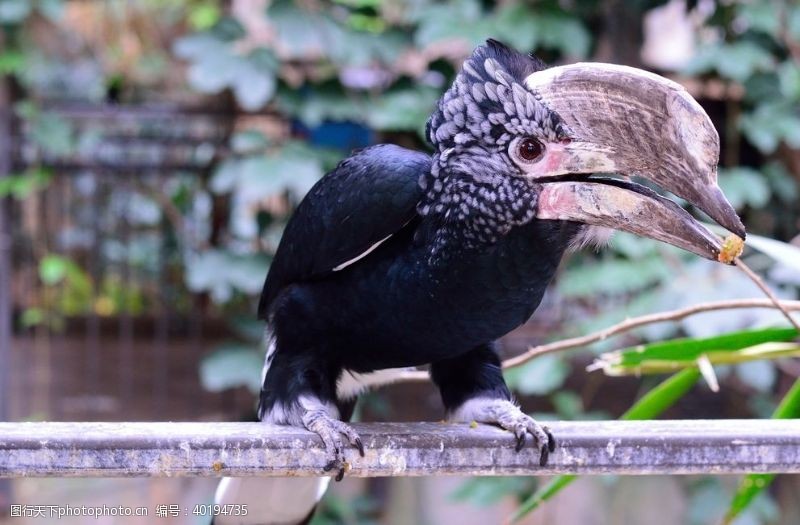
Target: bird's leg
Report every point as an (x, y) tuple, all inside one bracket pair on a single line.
[(473, 389), (302, 400), (507, 415), (322, 419)]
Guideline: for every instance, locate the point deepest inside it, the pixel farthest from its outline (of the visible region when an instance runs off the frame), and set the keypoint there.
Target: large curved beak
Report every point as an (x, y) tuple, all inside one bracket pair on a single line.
[(625, 120)]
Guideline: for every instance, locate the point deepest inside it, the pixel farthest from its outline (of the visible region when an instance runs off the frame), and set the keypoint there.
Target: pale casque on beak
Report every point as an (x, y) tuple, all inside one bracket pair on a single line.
[(628, 121)]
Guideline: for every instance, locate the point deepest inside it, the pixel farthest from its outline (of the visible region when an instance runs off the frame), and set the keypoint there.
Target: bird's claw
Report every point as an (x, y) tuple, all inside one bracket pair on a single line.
[(541, 434), (333, 434), (511, 418)]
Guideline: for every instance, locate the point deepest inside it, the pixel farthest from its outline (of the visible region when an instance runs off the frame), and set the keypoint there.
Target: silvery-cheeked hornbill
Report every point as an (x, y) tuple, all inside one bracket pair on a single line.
[(398, 258)]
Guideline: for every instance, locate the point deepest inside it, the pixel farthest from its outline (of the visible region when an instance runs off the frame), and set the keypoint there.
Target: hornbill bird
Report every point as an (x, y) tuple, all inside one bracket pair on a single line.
[(398, 258)]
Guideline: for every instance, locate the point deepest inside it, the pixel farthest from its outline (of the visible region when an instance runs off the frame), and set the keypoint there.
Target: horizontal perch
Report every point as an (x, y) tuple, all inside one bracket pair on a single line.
[(396, 449)]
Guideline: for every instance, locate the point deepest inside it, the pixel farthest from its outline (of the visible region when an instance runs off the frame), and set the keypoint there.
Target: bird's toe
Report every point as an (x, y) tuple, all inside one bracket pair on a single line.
[(335, 435)]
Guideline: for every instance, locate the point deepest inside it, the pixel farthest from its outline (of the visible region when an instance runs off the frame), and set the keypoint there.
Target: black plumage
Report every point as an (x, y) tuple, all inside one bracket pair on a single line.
[(455, 256), (398, 258)]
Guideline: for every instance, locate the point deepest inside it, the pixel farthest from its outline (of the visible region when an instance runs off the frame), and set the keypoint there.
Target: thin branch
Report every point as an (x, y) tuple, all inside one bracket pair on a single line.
[(636, 322), (764, 288), (622, 327)]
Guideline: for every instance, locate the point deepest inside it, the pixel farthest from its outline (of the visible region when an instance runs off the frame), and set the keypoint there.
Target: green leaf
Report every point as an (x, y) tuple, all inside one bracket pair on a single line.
[(302, 33), (744, 187), (789, 80), (228, 29), (253, 86), (11, 62), (539, 376), (770, 123), (754, 484), (53, 268), (784, 186), (652, 404), (32, 317), (23, 185), (663, 396), (665, 355), (737, 61), (204, 15), (213, 72), (761, 16), (403, 110), (793, 22), (53, 133), (518, 24), (222, 273), (565, 33), (231, 366), (460, 21)]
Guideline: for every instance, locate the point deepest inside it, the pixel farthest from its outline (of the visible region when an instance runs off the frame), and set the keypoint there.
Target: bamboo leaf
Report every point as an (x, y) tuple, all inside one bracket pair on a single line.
[(656, 401), (663, 396), (753, 484), (672, 355)]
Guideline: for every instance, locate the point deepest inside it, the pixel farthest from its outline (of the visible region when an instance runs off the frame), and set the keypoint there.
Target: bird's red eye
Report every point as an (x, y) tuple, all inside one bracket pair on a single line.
[(529, 149)]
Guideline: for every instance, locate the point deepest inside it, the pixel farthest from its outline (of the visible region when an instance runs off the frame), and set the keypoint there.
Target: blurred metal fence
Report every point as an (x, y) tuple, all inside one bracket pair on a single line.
[(119, 337)]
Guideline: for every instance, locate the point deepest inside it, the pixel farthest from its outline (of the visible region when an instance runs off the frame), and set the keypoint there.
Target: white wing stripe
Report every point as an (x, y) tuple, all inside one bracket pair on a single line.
[(359, 257)]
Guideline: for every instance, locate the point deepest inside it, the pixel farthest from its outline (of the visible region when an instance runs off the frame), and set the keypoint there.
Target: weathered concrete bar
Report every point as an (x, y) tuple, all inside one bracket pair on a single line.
[(396, 449)]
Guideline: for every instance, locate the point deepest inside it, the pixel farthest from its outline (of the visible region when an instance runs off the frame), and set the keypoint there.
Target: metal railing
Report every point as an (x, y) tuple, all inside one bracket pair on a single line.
[(397, 449)]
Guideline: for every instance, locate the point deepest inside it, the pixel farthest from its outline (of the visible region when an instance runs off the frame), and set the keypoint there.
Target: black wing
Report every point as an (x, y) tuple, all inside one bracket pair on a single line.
[(368, 197)]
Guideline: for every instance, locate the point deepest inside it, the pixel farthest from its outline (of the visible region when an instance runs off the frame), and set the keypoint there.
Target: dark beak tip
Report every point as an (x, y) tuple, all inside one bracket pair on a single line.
[(718, 208)]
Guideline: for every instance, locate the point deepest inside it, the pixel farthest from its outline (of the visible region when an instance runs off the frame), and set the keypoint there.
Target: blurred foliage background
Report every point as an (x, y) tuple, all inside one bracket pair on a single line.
[(158, 148)]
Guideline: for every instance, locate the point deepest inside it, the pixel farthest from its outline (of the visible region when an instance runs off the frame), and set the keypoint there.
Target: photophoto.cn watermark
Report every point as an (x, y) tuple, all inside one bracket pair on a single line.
[(68, 511)]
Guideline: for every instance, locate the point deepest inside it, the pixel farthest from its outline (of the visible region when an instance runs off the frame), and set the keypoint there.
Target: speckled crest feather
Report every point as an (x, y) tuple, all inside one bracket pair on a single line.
[(489, 104), (472, 180)]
